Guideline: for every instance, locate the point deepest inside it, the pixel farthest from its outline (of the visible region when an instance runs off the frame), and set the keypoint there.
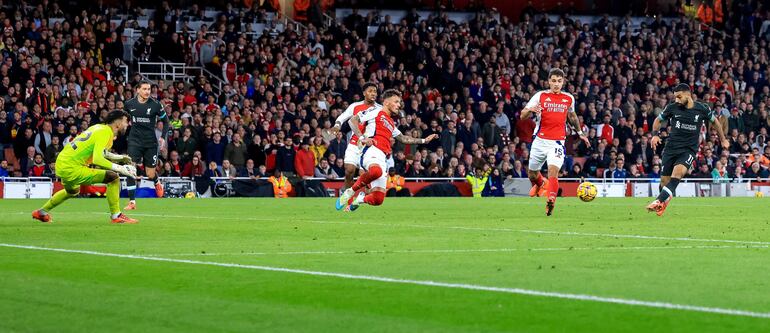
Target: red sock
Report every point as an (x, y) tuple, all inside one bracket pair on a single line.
[(374, 172), (553, 187), (539, 180), (375, 198)]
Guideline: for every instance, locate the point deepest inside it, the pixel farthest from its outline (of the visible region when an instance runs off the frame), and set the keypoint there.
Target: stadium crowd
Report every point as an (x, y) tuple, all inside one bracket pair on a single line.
[(466, 82)]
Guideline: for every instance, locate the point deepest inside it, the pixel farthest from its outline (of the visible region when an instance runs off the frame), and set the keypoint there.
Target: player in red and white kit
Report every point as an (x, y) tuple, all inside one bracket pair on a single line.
[(379, 129), (552, 109), (353, 152)]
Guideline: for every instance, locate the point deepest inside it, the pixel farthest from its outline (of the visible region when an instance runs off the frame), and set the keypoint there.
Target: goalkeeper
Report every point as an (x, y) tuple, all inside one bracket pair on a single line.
[(91, 148)]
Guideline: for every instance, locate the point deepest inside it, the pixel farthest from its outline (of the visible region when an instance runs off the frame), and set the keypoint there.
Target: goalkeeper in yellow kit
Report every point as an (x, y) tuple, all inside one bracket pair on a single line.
[(92, 147)]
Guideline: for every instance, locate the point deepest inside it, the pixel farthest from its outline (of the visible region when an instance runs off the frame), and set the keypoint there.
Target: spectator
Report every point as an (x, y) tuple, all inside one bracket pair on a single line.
[(518, 170), (249, 171), (281, 184), (169, 171), (194, 168), (576, 171), (757, 172), (228, 170), (719, 174), (235, 151), (323, 170), (319, 149), (4, 169), (43, 138), (53, 150), (285, 157), (337, 146), (215, 150), (494, 186), (339, 166), (304, 161), (619, 172), (39, 168), (186, 145), (28, 161)]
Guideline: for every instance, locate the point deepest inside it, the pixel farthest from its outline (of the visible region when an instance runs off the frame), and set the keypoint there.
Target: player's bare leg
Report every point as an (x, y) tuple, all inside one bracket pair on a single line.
[(539, 184), (350, 173), (375, 196), (668, 190), (113, 199), (154, 178), (131, 184), (552, 188)]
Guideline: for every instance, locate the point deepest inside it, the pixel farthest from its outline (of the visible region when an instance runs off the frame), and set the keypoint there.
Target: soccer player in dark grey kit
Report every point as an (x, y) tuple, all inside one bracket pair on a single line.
[(686, 117), (143, 147)]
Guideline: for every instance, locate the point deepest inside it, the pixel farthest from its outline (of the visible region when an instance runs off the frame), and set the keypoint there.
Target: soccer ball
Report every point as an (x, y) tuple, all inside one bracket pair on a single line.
[(759, 194), (586, 191), (190, 195)]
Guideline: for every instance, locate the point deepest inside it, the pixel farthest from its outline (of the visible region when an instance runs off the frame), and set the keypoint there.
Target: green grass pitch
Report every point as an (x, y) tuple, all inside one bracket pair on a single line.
[(411, 265)]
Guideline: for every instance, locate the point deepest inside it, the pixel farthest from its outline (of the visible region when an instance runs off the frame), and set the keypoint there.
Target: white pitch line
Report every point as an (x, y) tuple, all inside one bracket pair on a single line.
[(518, 291), (547, 249), (528, 231)]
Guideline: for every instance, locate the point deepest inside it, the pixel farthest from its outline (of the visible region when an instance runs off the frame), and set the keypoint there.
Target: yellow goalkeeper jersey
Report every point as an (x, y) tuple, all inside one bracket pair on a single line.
[(88, 148)]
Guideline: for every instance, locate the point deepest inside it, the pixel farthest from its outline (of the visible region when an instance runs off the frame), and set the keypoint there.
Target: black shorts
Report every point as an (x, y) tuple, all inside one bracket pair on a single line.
[(146, 155), (676, 157)]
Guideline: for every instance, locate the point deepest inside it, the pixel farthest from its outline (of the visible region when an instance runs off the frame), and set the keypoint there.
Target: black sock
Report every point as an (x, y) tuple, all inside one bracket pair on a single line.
[(131, 187), (669, 190)]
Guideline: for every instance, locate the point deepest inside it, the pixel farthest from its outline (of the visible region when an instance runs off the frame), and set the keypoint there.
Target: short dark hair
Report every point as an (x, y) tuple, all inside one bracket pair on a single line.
[(556, 72), (369, 84), (115, 115), (143, 82), (390, 93), (682, 87)]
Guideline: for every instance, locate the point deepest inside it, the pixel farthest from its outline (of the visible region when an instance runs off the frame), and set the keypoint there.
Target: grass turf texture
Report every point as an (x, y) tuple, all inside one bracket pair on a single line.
[(417, 239)]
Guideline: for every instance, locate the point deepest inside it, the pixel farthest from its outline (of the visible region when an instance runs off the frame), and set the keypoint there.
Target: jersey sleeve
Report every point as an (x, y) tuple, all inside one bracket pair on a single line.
[(572, 103), (396, 132), (667, 113), (344, 116), (101, 139), (534, 101)]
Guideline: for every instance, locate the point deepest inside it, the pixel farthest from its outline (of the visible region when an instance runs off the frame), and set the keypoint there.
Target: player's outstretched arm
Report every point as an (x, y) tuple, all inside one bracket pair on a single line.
[(342, 118), (408, 140)]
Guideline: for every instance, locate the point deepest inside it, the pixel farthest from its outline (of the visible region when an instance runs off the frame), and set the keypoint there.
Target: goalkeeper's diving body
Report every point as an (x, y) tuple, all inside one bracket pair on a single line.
[(92, 148)]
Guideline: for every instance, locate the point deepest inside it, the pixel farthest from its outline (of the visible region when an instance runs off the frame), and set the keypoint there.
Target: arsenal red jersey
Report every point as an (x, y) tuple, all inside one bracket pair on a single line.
[(380, 127), (552, 122)]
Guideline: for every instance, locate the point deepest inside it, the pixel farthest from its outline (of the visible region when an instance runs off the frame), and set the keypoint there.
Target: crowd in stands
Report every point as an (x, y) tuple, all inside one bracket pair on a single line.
[(466, 82)]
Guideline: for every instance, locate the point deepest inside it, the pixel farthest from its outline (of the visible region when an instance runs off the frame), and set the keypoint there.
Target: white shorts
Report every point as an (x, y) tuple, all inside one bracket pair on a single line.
[(546, 151), (353, 155), (373, 155)]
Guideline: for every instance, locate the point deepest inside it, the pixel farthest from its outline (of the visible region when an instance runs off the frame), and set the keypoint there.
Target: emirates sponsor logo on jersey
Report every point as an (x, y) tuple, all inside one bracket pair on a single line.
[(555, 107)]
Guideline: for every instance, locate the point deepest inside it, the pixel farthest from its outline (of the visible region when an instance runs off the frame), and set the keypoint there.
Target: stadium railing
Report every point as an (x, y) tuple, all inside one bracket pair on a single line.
[(43, 187)]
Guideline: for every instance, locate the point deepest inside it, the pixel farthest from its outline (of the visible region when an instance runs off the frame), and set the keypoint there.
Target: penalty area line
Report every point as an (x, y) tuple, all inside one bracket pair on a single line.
[(428, 283)]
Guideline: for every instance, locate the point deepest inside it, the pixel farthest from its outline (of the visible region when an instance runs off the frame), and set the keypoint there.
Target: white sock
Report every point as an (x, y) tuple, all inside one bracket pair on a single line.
[(114, 216), (349, 192)]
